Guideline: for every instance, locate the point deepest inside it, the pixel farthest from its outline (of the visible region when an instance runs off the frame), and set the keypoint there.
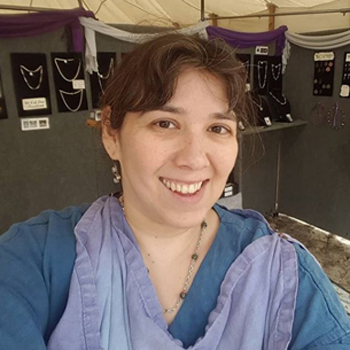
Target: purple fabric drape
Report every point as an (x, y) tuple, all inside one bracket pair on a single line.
[(13, 26), (244, 40)]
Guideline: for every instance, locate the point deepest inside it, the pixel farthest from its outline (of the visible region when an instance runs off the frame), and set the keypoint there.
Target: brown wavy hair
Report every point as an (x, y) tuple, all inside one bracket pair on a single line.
[(146, 78)]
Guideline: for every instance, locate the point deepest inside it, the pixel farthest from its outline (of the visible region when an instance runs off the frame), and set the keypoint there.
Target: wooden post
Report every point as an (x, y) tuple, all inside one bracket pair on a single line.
[(272, 10), (214, 21)]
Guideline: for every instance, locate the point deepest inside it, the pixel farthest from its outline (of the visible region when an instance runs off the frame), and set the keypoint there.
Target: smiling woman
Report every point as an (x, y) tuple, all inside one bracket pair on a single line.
[(162, 266)]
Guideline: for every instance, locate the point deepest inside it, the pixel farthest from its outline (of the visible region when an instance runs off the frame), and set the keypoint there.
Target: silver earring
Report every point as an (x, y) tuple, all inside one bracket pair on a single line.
[(116, 176)]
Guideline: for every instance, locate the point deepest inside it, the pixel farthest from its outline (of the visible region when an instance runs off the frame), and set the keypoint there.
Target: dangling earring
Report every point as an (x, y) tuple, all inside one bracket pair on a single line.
[(115, 170)]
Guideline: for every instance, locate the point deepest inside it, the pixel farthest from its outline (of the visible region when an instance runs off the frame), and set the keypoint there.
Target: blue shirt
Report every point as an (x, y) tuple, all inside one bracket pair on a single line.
[(37, 258)]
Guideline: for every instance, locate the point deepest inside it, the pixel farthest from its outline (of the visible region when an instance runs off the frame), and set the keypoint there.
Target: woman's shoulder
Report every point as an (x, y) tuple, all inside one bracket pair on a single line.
[(245, 222)]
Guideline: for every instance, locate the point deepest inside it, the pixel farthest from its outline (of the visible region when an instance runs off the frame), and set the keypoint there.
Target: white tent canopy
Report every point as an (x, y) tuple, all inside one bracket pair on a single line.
[(187, 12)]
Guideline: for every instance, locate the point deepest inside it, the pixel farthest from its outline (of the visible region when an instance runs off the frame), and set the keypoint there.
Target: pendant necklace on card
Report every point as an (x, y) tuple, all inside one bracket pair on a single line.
[(273, 69), (282, 103), (105, 77), (67, 61), (32, 73), (262, 65), (75, 93)]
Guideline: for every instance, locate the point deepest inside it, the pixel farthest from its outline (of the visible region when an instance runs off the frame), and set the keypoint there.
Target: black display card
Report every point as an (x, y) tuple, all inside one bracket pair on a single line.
[(261, 74), (275, 73), (3, 110), (98, 80), (323, 74), (68, 72), (279, 107), (262, 109), (245, 59), (29, 71), (345, 82)]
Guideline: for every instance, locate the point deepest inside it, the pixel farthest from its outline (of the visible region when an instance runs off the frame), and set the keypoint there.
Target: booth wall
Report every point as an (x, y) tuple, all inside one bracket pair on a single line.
[(315, 176), (49, 169)]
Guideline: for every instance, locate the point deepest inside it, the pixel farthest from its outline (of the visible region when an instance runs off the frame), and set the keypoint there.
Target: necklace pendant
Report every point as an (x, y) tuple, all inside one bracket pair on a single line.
[(183, 295), (194, 256)]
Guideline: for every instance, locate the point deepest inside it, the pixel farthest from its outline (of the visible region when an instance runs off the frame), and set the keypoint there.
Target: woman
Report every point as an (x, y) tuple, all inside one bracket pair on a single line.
[(163, 266)]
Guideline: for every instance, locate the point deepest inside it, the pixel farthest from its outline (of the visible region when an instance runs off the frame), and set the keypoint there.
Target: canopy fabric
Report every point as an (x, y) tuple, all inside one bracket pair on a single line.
[(244, 40), (12, 26), (91, 26), (166, 12)]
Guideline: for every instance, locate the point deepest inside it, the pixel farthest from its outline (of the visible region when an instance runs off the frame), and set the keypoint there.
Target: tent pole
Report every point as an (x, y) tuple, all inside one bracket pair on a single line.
[(272, 9), (203, 11), (80, 3), (320, 12), (27, 8)]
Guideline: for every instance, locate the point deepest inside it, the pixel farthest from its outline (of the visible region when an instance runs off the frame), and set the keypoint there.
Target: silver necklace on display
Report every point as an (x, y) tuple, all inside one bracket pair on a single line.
[(31, 73), (66, 61), (260, 66), (62, 93), (273, 69), (105, 77), (194, 258), (282, 103)]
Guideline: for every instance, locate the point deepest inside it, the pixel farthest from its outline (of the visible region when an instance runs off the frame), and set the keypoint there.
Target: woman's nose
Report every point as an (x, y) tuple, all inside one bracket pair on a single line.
[(192, 152)]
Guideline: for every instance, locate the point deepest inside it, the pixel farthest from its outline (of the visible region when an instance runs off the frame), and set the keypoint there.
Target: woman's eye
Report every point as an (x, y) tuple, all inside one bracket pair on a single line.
[(165, 124), (219, 129)]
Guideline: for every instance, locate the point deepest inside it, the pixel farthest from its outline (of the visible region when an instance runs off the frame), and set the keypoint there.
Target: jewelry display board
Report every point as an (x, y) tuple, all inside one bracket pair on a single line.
[(345, 82), (68, 72), (280, 107), (3, 110), (106, 63), (29, 71), (245, 59), (261, 74), (323, 73), (275, 73)]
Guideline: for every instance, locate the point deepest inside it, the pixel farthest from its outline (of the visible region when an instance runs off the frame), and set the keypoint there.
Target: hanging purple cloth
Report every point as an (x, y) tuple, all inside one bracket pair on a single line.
[(14, 26), (244, 40)]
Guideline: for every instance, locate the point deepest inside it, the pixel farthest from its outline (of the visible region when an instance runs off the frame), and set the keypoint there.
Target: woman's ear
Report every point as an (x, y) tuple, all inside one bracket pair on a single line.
[(109, 136)]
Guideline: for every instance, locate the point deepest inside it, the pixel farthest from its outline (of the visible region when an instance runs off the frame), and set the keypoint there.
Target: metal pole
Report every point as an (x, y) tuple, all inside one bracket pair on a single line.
[(301, 13), (202, 11), (28, 8)]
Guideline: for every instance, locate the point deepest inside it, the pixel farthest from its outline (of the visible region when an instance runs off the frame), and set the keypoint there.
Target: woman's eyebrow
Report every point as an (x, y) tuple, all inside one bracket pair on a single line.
[(229, 115), (171, 109)]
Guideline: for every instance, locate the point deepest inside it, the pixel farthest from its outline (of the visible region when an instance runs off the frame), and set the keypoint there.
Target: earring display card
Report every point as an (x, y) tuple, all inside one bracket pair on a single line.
[(68, 72), (323, 73), (29, 71), (98, 80), (261, 74), (275, 73), (3, 110), (345, 83), (245, 59)]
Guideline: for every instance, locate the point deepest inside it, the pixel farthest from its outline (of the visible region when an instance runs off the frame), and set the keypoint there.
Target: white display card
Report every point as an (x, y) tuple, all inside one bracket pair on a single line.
[(32, 104)]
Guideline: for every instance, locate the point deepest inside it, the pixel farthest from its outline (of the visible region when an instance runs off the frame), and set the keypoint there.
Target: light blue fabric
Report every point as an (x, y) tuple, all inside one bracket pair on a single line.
[(263, 280)]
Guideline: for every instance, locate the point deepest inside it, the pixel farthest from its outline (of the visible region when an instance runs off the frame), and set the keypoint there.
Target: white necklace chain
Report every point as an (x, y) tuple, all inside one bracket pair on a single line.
[(66, 61), (273, 69), (194, 258), (105, 77), (282, 103), (31, 73), (62, 93), (260, 66)]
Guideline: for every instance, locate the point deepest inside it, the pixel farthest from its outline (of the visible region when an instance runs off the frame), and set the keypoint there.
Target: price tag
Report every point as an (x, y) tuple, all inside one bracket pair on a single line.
[(32, 104), (345, 91), (289, 118), (262, 50), (78, 84), (267, 121), (324, 56), (347, 57)]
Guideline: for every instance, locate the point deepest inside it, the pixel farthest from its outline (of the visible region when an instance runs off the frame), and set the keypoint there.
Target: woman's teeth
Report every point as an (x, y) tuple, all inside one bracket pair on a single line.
[(184, 189)]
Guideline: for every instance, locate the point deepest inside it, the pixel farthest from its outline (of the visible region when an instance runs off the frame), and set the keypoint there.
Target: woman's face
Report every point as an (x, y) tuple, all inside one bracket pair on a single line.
[(175, 161)]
